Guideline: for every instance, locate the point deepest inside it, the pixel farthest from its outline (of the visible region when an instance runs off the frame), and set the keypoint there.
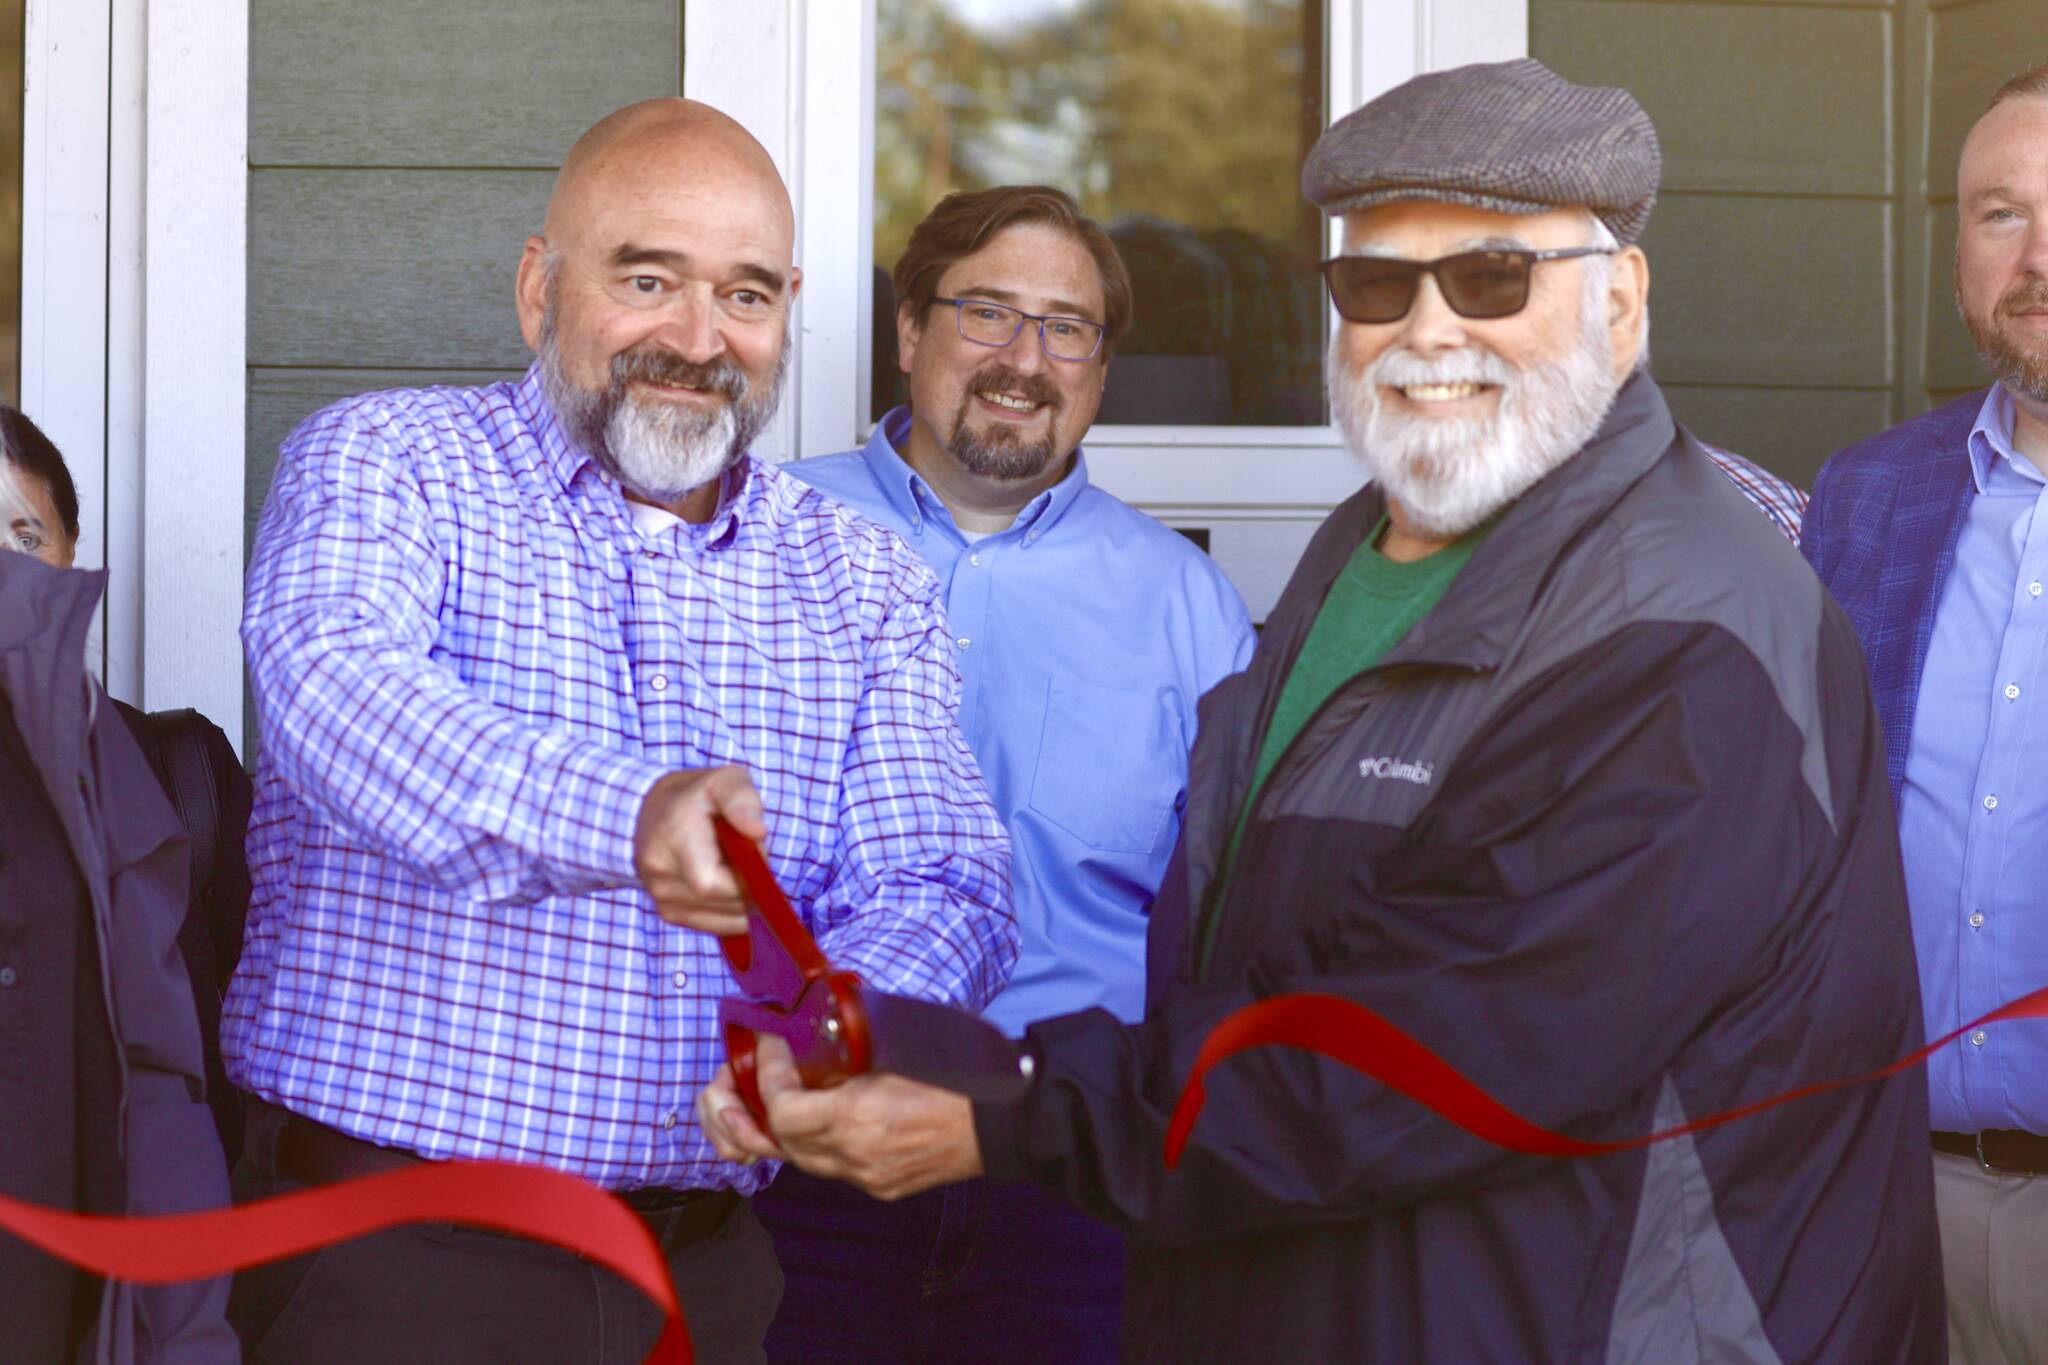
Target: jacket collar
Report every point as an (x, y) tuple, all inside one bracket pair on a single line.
[(33, 596), (45, 616)]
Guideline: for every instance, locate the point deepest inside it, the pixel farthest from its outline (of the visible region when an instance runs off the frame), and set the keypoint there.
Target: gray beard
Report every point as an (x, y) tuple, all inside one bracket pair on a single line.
[(1451, 475), (657, 452)]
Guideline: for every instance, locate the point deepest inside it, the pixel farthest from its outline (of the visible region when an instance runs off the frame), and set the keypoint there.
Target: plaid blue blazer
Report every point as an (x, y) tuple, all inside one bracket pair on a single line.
[(1881, 533)]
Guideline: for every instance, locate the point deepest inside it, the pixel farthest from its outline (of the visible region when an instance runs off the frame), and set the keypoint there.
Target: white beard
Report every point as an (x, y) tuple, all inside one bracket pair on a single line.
[(657, 451), (1451, 474), (664, 452)]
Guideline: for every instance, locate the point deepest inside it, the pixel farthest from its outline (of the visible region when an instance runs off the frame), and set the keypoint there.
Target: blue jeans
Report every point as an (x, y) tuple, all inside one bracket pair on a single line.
[(977, 1273)]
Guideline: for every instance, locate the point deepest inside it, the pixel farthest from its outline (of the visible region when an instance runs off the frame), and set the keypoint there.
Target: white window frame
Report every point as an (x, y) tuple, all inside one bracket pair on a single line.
[(134, 228), (800, 75), (66, 116)]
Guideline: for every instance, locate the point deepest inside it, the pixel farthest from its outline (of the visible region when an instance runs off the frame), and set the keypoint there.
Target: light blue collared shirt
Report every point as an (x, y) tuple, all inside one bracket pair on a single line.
[(1084, 634), (1973, 814)]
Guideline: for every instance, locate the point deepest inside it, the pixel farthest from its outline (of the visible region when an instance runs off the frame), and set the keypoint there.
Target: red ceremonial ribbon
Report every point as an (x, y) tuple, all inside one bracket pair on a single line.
[(1349, 1033), (548, 1206), (527, 1201)]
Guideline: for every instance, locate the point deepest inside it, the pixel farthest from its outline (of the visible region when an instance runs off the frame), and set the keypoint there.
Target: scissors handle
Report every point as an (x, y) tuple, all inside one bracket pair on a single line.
[(827, 1033), (791, 990)]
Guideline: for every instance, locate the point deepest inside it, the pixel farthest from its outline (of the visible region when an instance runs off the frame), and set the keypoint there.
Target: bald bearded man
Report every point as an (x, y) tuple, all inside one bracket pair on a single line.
[(513, 647)]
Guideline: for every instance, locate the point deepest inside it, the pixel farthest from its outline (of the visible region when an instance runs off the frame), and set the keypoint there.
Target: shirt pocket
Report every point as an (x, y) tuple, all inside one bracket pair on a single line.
[(1111, 765)]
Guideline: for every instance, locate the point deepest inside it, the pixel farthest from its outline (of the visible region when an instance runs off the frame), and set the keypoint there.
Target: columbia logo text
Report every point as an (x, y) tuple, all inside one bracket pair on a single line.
[(1418, 773)]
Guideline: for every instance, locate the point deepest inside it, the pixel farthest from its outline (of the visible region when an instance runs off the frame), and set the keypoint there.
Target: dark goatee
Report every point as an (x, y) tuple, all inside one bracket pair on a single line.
[(1000, 453)]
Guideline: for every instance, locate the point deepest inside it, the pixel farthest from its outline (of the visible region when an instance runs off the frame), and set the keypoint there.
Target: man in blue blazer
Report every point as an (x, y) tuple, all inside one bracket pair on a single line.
[(1934, 538)]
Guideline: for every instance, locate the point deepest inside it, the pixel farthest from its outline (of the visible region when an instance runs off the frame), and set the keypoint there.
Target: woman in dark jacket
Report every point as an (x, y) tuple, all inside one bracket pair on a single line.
[(192, 760), (101, 1065)]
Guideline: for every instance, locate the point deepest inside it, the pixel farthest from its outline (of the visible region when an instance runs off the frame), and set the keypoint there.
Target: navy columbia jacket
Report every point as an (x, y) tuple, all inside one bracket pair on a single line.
[(1609, 830)]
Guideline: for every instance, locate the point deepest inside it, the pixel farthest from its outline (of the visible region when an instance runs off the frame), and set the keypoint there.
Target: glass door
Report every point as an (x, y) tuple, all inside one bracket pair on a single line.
[(1181, 126)]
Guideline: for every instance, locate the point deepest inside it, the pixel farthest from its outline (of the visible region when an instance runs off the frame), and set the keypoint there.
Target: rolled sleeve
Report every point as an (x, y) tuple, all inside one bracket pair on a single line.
[(922, 903)]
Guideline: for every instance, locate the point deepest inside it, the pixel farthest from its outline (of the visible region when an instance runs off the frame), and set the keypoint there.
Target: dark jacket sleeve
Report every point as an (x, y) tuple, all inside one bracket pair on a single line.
[(1615, 862)]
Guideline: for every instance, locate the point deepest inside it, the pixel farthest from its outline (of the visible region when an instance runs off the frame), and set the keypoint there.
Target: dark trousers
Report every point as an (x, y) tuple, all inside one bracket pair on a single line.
[(976, 1273), (444, 1294)]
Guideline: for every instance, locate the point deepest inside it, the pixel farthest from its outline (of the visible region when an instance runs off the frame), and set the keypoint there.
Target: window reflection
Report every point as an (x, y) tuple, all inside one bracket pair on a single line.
[(1178, 124)]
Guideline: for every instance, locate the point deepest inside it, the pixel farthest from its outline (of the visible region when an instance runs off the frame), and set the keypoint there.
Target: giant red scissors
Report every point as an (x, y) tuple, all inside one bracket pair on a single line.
[(837, 1027)]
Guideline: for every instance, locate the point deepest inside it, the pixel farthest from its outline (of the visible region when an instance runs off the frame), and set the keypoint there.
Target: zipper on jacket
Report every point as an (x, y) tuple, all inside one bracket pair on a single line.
[(1284, 767), (1212, 909)]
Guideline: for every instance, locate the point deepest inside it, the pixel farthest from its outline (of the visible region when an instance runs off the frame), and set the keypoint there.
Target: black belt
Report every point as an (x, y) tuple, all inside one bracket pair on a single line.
[(2000, 1151), (310, 1153)]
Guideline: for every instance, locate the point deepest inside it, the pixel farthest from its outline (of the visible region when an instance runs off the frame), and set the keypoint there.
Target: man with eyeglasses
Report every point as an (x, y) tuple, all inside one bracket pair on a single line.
[(1084, 632), (1556, 756)]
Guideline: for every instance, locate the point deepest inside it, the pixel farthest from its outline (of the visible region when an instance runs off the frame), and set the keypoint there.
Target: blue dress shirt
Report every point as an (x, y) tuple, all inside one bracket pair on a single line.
[(1973, 813), (1084, 634)]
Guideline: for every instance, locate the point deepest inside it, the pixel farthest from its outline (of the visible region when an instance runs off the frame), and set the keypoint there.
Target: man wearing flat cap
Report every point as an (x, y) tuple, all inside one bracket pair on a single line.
[(1555, 755)]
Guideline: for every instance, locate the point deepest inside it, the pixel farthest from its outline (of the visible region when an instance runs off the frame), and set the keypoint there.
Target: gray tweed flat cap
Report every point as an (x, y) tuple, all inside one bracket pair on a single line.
[(1514, 137)]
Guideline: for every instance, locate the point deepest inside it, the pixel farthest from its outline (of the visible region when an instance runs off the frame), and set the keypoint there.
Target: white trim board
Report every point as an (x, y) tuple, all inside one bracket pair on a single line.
[(64, 260), (194, 365), (135, 181)]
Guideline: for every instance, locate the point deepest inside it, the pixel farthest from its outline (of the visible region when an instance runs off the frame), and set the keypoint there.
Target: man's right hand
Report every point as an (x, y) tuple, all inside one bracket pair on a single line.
[(676, 852)]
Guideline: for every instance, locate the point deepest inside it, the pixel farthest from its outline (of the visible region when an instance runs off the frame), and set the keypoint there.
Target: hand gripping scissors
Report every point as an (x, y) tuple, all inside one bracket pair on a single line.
[(837, 1027)]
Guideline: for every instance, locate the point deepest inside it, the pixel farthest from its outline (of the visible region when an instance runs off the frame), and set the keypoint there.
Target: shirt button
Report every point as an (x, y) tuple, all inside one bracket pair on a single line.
[(963, 642), (7, 976), (1976, 922), (2034, 589), (1977, 1038), (659, 682), (1990, 803), (2012, 691), (683, 978), (975, 560), (669, 1120)]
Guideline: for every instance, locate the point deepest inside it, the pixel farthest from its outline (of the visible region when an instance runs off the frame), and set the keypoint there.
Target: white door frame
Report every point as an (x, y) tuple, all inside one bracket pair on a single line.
[(800, 75), (65, 129), (134, 207)]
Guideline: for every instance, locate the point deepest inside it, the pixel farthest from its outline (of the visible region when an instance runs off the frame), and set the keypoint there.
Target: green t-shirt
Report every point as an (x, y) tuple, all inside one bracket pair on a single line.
[(1372, 604)]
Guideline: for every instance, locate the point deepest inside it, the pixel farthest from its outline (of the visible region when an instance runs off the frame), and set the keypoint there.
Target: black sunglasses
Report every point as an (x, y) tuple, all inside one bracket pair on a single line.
[(1476, 284)]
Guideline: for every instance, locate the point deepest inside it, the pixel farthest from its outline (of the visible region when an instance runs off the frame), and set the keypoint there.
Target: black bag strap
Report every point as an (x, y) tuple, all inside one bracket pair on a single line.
[(194, 784)]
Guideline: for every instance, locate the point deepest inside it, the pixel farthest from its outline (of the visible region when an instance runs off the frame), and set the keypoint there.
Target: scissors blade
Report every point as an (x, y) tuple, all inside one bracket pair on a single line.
[(949, 1048)]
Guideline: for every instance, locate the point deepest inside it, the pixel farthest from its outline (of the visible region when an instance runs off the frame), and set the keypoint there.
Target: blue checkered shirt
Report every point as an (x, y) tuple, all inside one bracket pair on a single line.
[(469, 668), (1781, 500)]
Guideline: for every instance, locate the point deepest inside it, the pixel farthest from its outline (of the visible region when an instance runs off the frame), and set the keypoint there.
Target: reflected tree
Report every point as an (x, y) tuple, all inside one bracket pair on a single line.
[(1179, 123)]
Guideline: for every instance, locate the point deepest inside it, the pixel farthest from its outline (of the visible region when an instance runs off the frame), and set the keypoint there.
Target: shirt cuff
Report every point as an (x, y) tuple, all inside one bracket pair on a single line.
[(592, 812)]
